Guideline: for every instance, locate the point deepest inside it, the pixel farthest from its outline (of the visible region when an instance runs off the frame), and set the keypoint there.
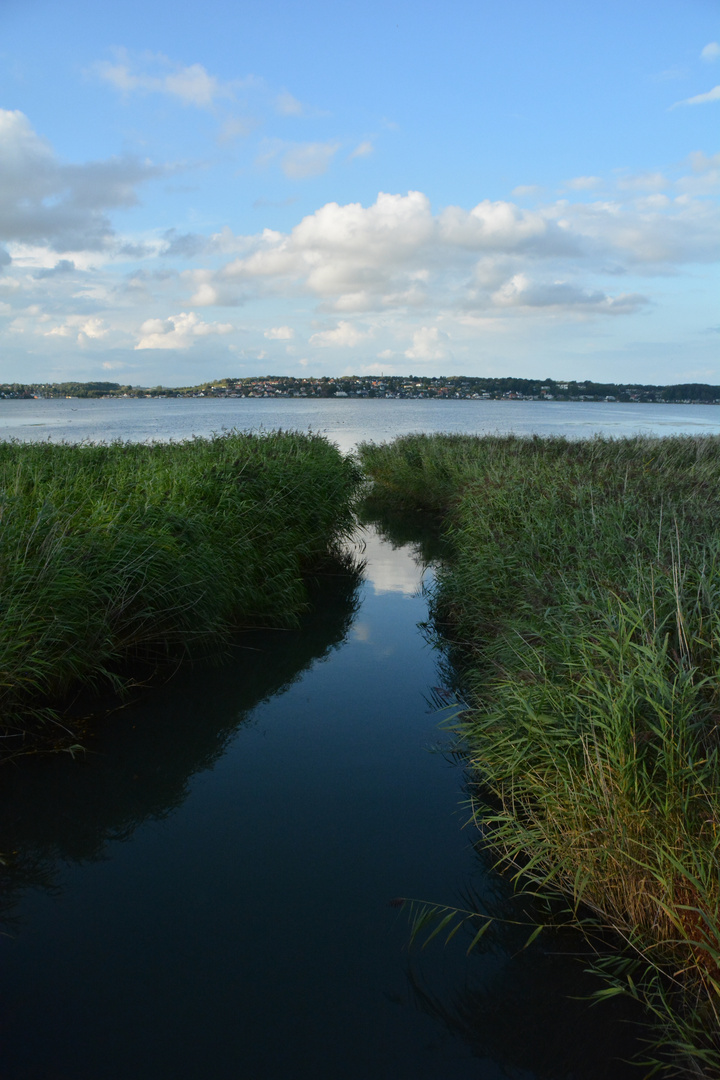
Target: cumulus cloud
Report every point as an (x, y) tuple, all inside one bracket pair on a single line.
[(211, 291), (61, 267), (350, 254), (490, 271), (44, 201), (502, 226), (92, 329), (345, 335), (280, 333), (521, 291), (184, 245), (428, 343), (78, 326), (655, 235), (397, 254), (178, 331)]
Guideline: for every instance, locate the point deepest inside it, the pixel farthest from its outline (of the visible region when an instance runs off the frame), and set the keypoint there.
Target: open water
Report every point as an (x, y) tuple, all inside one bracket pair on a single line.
[(345, 421), (206, 893)]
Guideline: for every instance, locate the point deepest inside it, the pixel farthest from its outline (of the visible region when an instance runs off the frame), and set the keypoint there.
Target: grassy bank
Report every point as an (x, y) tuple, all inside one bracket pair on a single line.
[(583, 590), (114, 553)]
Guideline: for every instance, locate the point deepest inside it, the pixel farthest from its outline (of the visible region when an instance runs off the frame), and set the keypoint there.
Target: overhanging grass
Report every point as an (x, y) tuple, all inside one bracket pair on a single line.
[(112, 552), (583, 590)]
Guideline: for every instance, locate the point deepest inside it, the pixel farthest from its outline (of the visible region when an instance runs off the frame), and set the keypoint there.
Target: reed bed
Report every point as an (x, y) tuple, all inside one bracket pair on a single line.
[(122, 552), (583, 594)]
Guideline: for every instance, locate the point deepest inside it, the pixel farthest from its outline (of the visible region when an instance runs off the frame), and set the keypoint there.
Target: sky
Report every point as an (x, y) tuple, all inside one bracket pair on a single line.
[(327, 188)]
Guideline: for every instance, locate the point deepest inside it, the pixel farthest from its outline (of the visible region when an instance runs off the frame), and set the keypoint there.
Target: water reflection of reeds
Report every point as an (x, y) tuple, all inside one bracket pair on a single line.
[(527, 1000), (139, 760)]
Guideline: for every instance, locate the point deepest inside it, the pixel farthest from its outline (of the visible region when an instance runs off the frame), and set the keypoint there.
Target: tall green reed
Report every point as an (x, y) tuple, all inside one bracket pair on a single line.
[(114, 552), (582, 595)]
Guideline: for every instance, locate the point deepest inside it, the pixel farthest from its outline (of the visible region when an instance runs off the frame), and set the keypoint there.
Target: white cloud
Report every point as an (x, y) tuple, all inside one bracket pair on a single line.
[(299, 161), (526, 191), (396, 254), (345, 335), (177, 331), (287, 105), (648, 181), (44, 201), (280, 333), (235, 127), (710, 52), (491, 270), (701, 99), (363, 149), (308, 159), (521, 291), (499, 226), (655, 238), (192, 85), (584, 183), (429, 343), (209, 291), (702, 163), (93, 328), (349, 253), (79, 326)]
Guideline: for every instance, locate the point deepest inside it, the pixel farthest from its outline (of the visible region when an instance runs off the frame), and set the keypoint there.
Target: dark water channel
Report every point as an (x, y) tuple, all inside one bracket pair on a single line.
[(205, 894)]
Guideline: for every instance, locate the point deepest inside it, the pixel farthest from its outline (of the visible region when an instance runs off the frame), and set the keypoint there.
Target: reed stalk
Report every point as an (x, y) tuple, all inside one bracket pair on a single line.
[(119, 552), (582, 593)]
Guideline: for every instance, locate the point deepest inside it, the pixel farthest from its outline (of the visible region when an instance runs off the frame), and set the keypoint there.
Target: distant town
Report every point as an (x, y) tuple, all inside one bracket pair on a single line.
[(462, 387)]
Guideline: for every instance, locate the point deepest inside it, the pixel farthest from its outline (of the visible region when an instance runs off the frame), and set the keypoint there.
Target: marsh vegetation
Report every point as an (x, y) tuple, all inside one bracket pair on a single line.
[(581, 599), (122, 554)]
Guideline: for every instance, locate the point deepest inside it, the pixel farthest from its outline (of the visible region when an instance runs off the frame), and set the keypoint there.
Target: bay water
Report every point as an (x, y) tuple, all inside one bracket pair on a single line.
[(345, 421)]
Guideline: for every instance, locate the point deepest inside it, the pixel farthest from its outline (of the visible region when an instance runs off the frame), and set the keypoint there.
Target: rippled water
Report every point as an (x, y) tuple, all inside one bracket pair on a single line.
[(345, 421)]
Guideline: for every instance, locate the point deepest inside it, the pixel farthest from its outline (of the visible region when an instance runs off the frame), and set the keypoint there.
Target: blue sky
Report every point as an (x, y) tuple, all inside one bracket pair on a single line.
[(322, 188)]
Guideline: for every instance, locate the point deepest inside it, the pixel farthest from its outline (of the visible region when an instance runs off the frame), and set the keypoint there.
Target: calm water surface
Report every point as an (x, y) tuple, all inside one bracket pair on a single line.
[(206, 893), (345, 421)]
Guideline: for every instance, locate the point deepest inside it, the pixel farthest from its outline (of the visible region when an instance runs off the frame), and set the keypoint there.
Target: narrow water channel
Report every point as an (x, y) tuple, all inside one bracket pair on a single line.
[(206, 893)]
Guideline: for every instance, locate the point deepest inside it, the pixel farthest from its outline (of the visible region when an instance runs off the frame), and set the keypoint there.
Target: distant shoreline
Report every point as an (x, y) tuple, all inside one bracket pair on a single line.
[(308, 397), (394, 387)]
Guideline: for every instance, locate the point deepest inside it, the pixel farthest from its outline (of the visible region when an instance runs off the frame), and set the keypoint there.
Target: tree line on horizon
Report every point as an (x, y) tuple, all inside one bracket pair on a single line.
[(327, 386)]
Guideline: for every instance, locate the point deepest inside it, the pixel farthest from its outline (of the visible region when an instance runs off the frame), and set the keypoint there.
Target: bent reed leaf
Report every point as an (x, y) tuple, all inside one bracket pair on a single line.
[(113, 554), (580, 600)]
